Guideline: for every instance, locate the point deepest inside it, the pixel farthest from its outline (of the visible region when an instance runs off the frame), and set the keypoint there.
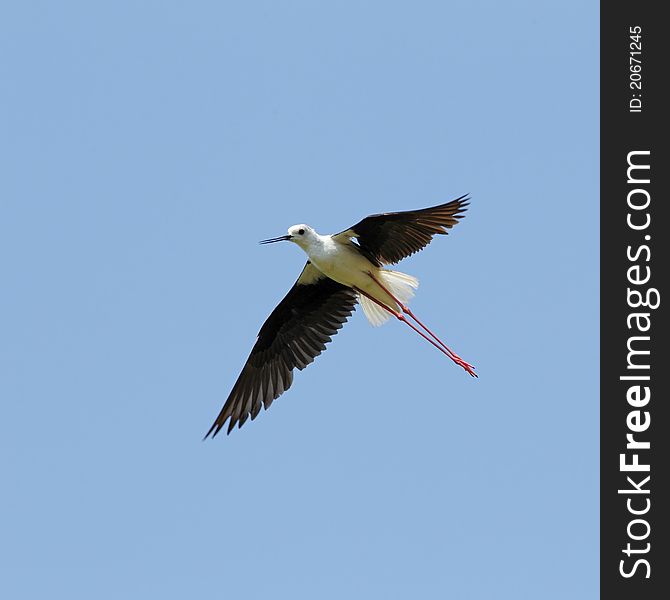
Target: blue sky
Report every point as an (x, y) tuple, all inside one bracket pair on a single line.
[(145, 148)]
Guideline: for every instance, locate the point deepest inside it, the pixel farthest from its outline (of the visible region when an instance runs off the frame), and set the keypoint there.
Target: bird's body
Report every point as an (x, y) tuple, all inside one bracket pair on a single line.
[(337, 257), (342, 269)]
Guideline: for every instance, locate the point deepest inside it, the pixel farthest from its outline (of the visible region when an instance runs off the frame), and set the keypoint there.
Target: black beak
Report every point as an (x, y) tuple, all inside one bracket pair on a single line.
[(281, 238)]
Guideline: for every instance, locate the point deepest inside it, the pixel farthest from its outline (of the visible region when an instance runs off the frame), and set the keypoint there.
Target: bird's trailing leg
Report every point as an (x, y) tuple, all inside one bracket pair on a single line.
[(445, 349), (401, 317)]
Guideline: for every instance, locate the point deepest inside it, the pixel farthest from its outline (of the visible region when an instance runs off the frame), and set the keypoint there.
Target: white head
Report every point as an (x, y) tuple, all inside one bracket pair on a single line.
[(302, 235)]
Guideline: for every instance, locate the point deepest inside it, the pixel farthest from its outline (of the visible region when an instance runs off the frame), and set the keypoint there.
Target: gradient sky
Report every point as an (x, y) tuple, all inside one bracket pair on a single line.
[(145, 148)]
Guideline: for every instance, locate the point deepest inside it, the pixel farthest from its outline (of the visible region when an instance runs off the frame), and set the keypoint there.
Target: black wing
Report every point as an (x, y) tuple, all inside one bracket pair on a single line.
[(294, 334), (390, 237)]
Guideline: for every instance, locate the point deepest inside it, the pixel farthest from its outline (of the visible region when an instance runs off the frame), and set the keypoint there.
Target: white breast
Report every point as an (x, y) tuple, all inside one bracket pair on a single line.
[(341, 262)]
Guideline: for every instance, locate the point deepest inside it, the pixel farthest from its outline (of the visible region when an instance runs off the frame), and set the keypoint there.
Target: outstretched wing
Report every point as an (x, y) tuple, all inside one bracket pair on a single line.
[(390, 237), (294, 334)]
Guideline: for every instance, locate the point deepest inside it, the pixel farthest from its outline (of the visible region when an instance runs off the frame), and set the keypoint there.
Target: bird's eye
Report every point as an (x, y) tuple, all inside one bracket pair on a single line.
[(301, 231)]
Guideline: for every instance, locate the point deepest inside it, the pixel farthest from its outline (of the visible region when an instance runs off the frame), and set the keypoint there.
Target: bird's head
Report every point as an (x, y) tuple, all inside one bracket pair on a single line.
[(301, 234)]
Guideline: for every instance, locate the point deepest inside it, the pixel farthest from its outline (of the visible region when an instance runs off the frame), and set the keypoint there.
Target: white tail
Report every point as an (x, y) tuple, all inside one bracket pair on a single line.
[(401, 285)]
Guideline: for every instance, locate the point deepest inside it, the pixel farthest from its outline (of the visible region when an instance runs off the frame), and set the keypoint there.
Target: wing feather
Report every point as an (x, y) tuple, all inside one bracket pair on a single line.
[(294, 334), (389, 237)]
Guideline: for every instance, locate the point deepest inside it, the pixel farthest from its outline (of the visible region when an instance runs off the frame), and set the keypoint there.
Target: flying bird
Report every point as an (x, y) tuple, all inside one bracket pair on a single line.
[(341, 270)]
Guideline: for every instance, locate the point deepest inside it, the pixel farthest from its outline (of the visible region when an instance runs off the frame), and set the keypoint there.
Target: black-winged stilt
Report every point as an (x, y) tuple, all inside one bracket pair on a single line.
[(342, 269)]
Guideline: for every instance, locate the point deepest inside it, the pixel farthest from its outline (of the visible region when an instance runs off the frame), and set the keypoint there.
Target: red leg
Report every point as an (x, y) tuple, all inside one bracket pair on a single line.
[(402, 318), (450, 353)]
